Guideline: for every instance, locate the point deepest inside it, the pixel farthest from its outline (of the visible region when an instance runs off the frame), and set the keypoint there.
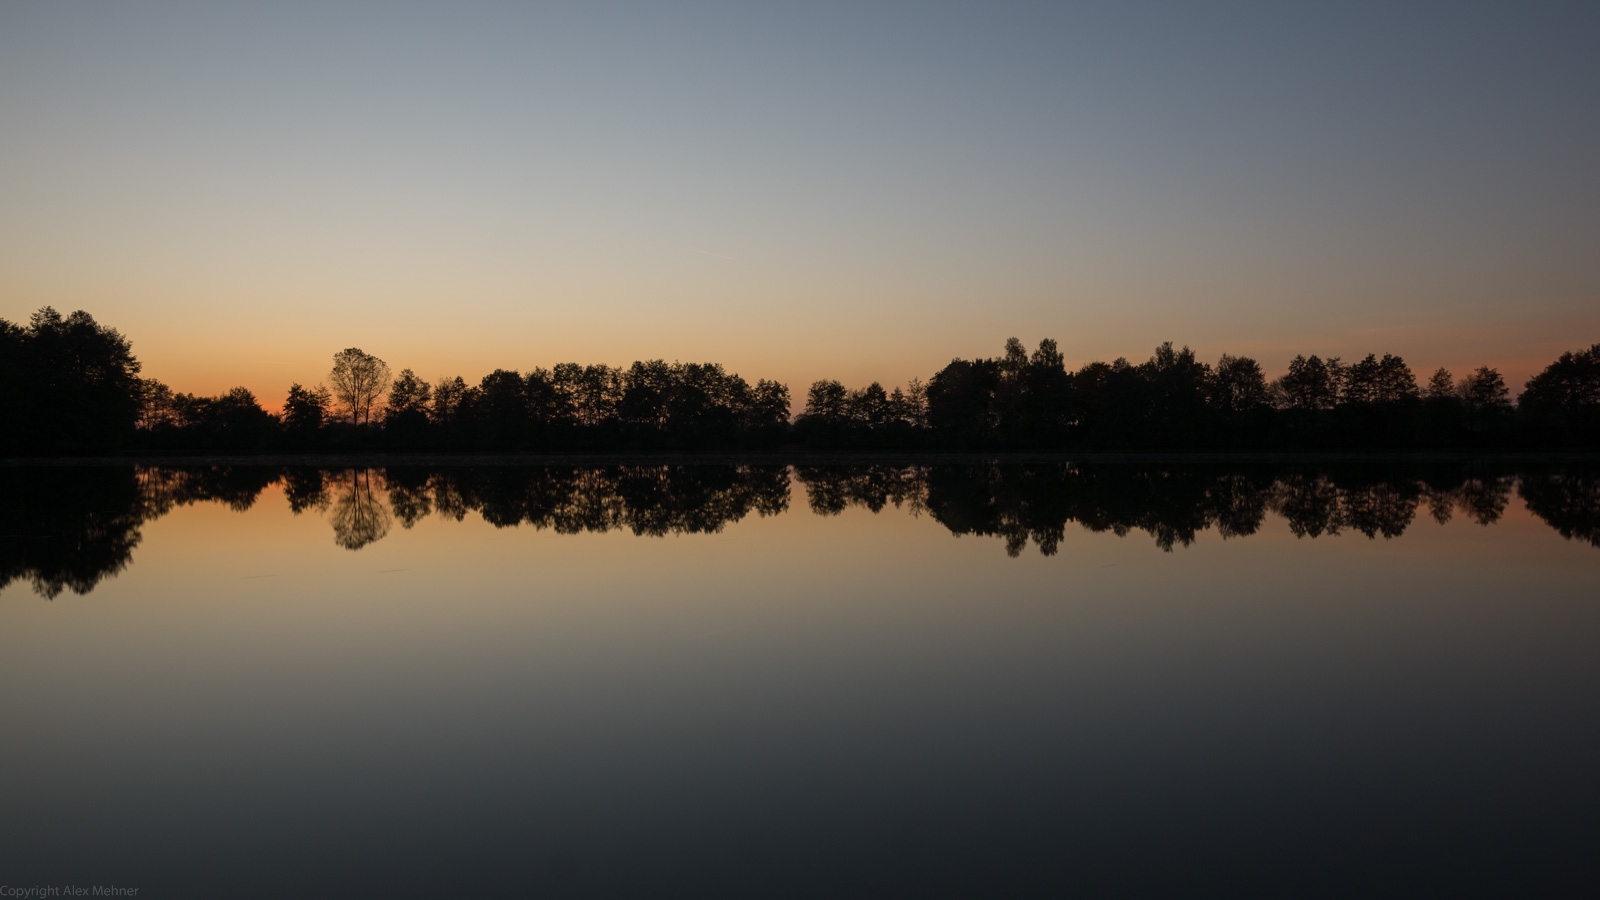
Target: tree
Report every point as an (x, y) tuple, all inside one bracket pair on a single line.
[(1564, 399), (1443, 412), (1441, 385), (1361, 387), (769, 405), (1008, 412), (1311, 384), (869, 406), (69, 385), (238, 421), (1177, 384), (1046, 402), (408, 395), (917, 402), (1238, 385), (305, 409), (358, 379), (547, 407), (447, 397), (155, 405), (961, 401), (646, 390), (1396, 383), (827, 401), (405, 418), (503, 407), (1485, 396), (591, 393)]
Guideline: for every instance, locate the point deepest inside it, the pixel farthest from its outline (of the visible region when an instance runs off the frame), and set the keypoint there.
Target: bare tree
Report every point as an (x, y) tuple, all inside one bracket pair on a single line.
[(359, 379)]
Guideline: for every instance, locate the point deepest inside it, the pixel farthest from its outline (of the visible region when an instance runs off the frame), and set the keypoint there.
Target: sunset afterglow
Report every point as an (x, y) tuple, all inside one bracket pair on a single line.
[(828, 191)]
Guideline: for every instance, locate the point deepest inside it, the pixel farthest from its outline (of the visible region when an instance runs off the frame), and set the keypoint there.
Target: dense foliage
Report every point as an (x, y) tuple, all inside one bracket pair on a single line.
[(67, 385), (71, 386), (1173, 401)]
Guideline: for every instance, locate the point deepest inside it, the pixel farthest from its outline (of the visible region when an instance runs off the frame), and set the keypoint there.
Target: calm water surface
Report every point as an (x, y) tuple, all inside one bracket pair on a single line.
[(767, 681)]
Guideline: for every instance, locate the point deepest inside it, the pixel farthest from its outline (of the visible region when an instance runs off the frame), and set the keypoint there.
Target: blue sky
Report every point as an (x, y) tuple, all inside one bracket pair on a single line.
[(857, 190)]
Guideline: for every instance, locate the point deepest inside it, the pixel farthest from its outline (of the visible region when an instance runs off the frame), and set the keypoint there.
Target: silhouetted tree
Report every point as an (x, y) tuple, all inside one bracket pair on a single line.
[(1045, 405), (869, 407), (408, 395), (1563, 402), (1377, 402), (592, 393), (156, 411), (1484, 396), (827, 401), (702, 403), (1238, 396), (359, 380), (305, 409), (233, 422), (1237, 385), (1307, 392), (1443, 415), (1310, 383), (646, 391), (768, 413), (446, 396), (67, 385), (1441, 385), (1178, 389), (405, 418), (502, 408), (961, 406), (916, 403)]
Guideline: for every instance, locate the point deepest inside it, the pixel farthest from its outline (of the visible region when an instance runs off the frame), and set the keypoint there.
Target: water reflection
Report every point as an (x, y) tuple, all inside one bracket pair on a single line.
[(1173, 505), (67, 529), (647, 500), (1567, 500), (359, 515)]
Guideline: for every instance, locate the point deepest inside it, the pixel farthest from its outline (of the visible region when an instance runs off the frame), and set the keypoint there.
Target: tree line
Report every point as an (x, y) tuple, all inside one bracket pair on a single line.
[(69, 385), (1174, 401)]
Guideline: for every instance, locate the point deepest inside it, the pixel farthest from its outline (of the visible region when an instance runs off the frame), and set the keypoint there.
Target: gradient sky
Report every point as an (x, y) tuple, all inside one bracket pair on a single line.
[(850, 190)]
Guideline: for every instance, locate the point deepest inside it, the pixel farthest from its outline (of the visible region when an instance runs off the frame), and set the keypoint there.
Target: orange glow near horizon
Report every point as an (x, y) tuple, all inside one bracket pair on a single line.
[(211, 357)]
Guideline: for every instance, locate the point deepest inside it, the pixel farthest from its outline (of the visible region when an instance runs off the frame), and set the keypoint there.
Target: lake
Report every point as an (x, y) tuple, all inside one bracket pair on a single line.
[(1369, 679)]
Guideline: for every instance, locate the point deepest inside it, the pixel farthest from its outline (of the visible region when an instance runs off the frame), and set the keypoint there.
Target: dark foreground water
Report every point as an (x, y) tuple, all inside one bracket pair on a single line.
[(761, 681)]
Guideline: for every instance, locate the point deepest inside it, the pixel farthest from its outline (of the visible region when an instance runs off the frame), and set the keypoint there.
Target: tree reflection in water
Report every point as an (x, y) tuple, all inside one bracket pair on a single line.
[(66, 529), (1568, 500), (1173, 504), (359, 516)]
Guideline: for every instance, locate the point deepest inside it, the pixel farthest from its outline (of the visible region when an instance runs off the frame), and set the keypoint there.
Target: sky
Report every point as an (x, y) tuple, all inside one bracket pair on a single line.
[(859, 190)]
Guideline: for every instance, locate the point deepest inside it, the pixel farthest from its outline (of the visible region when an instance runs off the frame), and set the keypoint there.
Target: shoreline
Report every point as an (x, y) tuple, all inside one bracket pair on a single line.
[(799, 458)]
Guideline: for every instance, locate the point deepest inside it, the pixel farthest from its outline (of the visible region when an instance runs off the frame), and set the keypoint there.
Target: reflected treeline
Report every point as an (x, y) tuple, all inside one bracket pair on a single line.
[(1568, 501), (1035, 503), (646, 500), (363, 504), (66, 529)]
